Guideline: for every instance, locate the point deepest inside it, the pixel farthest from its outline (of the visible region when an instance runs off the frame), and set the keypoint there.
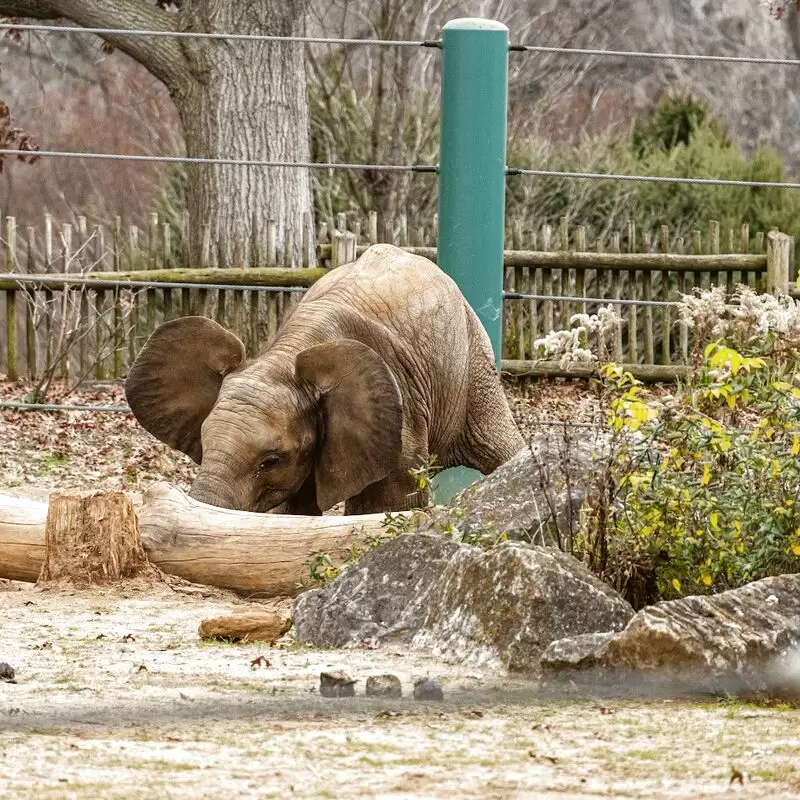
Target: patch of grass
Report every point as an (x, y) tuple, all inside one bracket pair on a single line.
[(645, 755), (777, 772), (53, 461), (735, 706)]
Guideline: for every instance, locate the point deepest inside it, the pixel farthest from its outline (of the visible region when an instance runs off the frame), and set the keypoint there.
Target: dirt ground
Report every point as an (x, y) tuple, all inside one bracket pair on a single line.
[(117, 697)]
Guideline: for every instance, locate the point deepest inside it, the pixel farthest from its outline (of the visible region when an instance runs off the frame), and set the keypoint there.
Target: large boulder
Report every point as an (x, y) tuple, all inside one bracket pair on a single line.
[(742, 639), (504, 606), (534, 497), (383, 597)]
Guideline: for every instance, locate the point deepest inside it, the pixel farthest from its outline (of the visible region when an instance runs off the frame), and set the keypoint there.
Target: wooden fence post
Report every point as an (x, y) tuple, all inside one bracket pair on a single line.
[(778, 252), (343, 248), (9, 263)]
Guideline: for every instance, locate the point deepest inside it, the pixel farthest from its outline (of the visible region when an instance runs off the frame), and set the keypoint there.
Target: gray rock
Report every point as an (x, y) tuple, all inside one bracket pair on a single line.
[(384, 596), (7, 672), (577, 653), (504, 606), (336, 684), (742, 639), (535, 497), (384, 686), (427, 689)]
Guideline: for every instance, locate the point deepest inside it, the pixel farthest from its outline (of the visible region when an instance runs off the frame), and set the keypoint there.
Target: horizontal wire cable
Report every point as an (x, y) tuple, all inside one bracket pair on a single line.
[(585, 51), (235, 162), (53, 407), (577, 299), (250, 37), (429, 168), (611, 176), (264, 37), (103, 283)]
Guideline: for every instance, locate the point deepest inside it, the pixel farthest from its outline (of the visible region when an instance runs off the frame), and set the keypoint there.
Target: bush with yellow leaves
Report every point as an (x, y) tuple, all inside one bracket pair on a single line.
[(701, 488)]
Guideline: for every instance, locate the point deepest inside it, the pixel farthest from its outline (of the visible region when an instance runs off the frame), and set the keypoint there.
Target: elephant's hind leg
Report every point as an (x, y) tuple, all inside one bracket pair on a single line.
[(490, 436)]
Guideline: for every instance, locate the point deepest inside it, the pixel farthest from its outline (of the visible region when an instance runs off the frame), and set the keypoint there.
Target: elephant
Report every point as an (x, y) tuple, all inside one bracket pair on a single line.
[(382, 364)]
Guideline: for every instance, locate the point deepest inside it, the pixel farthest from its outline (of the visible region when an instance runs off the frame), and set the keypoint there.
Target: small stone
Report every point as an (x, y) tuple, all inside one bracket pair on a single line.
[(426, 689), (6, 672), (384, 686), (336, 684)]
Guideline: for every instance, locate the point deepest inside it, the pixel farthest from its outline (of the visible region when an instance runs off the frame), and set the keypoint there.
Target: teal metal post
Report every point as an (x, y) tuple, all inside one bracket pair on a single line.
[(472, 165), (472, 181)]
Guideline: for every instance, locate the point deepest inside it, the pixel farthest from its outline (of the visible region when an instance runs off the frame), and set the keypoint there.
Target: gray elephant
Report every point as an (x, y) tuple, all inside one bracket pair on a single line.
[(381, 364)]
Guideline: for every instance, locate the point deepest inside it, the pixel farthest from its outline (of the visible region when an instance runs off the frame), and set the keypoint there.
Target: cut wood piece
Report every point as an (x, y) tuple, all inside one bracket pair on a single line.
[(92, 539), (250, 626), (268, 555), (21, 538)]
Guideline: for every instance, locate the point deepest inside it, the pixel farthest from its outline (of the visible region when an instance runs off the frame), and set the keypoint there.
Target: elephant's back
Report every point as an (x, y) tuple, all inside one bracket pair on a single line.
[(387, 271)]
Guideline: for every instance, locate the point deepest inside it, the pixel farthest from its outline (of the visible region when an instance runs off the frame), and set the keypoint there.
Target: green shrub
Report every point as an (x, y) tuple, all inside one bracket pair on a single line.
[(719, 507), (680, 139), (702, 489), (674, 121)]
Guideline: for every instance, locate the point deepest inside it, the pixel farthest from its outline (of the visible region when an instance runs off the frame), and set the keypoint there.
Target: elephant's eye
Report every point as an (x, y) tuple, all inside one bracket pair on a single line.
[(269, 461)]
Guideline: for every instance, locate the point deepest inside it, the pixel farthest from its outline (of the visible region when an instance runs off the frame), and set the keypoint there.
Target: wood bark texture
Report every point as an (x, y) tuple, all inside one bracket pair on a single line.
[(252, 626), (266, 555), (246, 100), (91, 539)]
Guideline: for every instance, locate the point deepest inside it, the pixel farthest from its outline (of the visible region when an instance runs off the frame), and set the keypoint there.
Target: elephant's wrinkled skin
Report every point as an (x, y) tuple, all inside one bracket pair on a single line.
[(380, 365)]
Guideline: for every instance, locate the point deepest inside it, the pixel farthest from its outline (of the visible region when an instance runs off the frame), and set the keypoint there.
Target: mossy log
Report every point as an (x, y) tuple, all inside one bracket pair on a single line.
[(649, 373), (267, 555), (568, 259), (234, 276)]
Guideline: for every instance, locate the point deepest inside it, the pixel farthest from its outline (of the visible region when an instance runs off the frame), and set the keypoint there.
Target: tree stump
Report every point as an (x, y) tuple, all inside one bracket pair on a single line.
[(92, 539)]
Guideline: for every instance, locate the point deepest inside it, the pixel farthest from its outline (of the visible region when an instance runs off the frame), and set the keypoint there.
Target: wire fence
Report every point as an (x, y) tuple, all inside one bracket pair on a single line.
[(106, 283), (433, 43), (423, 168), (533, 49)]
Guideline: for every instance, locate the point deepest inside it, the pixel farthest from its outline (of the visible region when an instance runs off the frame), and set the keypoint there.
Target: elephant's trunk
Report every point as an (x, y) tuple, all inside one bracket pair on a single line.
[(214, 491)]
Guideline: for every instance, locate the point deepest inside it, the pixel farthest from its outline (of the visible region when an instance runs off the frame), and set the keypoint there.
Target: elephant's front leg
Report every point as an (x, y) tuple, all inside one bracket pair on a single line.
[(396, 492)]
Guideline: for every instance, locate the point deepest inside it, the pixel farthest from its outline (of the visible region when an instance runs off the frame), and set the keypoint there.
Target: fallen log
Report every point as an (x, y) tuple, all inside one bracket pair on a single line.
[(251, 626), (21, 538), (267, 555)]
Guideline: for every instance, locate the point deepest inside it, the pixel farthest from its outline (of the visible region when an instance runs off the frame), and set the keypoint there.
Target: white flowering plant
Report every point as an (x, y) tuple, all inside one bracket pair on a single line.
[(584, 342), (754, 324)]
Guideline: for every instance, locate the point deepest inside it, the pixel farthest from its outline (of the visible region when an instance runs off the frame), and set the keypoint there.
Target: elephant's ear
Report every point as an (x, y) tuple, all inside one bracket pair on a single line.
[(362, 416), (174, 382)]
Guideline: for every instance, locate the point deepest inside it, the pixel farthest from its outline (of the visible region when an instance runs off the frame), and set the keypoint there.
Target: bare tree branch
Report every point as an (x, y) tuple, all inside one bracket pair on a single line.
[(162, 56)]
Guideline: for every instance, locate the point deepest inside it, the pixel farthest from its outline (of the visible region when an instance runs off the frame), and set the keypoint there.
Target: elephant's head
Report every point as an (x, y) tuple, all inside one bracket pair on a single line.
[(313, 428)]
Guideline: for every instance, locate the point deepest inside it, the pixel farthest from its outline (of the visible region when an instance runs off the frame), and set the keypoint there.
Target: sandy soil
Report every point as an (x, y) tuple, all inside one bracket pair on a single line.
[(117, 697)]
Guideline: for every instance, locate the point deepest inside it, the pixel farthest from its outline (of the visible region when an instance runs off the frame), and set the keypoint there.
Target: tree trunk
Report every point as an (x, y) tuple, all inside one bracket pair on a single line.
[(246, 100), (92, 539), (237, 99)]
